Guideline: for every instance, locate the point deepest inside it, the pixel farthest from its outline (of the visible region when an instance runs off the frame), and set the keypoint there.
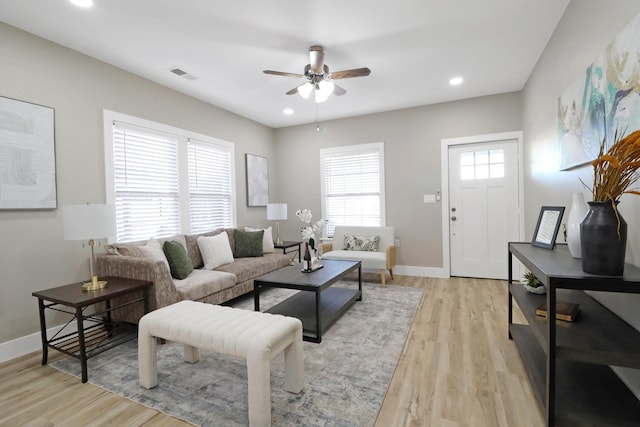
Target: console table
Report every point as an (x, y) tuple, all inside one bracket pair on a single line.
[(94, 330), (568, 363)]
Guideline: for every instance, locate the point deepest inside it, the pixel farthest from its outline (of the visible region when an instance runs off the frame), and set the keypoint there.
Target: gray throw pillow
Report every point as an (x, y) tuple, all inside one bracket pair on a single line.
[(179, 262), (248, 243)]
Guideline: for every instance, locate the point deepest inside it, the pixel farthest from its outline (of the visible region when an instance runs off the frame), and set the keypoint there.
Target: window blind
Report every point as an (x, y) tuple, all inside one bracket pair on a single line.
[(352, 180), (210, 186), (146, 184)]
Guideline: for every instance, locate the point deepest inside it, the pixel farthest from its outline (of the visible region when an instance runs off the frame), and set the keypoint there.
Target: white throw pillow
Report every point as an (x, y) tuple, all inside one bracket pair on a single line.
[(153, 250), (267, 239), (215, 250)]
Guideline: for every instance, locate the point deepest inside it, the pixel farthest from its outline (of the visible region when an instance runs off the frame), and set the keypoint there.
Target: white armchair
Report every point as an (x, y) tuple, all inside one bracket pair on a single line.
[(383, 259)]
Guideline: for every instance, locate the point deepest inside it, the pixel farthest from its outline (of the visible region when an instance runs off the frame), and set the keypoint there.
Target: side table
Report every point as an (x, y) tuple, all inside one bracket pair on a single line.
[(96, 332), (290, 244)]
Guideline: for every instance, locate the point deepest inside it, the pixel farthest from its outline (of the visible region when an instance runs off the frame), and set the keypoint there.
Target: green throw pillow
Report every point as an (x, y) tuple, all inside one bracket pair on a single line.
[(179, 262), (248, 243)]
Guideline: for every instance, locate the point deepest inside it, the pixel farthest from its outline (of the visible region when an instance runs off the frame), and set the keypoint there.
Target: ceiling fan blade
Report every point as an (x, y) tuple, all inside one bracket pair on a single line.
[(282, 73), (337, 90), (294, 90), (345, 74)]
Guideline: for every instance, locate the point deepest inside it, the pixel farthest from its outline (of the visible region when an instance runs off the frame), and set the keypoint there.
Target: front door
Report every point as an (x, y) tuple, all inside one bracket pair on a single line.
[(483, 207)]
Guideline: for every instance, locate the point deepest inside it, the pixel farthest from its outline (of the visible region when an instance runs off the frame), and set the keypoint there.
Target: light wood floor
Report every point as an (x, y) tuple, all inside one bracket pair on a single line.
[(458, 368)]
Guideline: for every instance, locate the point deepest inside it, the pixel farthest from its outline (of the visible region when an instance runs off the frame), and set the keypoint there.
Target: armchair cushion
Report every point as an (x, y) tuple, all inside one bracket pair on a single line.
[(361, 243)]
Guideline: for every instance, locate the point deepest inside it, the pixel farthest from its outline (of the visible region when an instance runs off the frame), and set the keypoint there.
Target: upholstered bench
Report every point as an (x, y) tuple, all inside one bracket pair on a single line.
[(255, 336)]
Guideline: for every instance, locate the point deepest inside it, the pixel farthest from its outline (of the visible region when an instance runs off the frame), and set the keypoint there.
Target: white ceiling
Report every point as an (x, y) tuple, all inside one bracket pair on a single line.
[(413, 47)]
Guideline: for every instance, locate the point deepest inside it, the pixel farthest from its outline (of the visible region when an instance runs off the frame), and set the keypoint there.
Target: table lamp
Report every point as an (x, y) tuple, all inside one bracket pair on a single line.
[(89, 222), (277, 212)]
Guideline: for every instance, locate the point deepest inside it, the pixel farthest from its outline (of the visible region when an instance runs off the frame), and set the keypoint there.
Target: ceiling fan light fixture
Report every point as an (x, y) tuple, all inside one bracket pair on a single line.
[(321, 96), (305, 90), (326, 87)]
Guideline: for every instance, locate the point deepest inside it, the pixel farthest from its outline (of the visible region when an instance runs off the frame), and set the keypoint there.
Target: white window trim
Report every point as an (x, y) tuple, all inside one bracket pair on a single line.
[(355, 149), (183, 135)]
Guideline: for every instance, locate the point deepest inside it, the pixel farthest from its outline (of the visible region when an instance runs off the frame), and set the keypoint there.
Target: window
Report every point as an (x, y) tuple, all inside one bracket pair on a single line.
[(166, 181), (352, 180), (482, 164)]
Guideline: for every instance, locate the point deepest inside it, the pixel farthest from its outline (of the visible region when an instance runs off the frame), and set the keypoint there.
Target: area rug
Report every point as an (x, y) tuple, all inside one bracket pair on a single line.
[(346, 376)]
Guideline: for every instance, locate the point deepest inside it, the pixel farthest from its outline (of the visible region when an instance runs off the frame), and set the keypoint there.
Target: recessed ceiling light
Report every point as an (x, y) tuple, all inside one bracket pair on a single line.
[(456, 81), (288, 111), (82, 3)]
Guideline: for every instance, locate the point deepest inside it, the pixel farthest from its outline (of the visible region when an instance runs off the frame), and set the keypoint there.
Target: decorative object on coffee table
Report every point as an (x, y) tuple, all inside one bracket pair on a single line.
[(603, 230), (309, 232)]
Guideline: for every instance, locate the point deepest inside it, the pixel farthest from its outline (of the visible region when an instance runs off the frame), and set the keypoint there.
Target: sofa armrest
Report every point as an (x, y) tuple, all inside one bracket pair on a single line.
[(391, 257), (164, 291)]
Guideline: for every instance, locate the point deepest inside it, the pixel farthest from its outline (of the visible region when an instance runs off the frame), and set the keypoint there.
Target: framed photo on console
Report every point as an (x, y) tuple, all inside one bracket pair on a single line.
[(547, 226)]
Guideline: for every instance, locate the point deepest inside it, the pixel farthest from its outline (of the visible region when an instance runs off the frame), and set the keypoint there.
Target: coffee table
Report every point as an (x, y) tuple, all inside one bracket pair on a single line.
[(318, 305)]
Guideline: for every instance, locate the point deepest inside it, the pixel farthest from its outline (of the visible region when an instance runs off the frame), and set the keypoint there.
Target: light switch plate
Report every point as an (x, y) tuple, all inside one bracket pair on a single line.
[(429, 198)]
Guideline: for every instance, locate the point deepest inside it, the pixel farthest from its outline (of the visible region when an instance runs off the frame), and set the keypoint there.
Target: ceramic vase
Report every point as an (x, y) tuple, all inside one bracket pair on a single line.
[(603, 236), (579, 209)]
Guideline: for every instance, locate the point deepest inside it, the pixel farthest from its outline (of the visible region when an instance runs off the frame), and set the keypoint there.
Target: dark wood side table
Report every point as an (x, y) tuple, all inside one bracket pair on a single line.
[(96, 332), (290, 244)]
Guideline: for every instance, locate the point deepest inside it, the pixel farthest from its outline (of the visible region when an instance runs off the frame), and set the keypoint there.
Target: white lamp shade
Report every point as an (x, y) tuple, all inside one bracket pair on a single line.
[(85, 222), (276, 211)]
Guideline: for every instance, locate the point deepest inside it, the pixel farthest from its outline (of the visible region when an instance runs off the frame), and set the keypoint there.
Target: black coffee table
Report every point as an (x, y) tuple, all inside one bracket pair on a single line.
[(318, 304)]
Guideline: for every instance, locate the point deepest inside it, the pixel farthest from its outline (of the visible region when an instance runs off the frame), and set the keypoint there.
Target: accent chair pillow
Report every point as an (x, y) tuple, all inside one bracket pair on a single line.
[(361, 243), (179, 262), (248, 243), (215, 250), (267, 240)]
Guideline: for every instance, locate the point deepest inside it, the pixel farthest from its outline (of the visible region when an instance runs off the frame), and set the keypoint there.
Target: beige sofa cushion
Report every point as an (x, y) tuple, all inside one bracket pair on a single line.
[(249, 268), (201, 283)]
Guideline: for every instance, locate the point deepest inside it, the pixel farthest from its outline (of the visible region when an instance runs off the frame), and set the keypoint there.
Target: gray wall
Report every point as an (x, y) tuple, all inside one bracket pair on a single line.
[(585, 30), (33, 255), (412, 140)]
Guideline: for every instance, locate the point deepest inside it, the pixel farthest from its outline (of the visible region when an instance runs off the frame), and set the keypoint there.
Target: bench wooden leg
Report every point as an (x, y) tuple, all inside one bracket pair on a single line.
[(391, 273), (383, 276)]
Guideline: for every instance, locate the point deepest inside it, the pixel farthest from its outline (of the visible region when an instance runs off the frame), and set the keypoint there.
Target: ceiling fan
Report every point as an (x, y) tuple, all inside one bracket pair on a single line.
[(318, 77)]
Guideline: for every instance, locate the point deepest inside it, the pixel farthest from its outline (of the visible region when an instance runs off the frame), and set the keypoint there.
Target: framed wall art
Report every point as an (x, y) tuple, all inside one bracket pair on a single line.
[(27, 156), (257, 180)]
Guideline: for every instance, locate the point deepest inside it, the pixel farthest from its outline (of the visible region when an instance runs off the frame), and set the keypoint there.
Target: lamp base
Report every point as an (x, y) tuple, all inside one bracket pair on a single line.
[(92, 286)]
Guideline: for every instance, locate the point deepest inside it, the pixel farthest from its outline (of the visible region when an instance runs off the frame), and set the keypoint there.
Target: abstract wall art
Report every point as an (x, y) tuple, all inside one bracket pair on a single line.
[(257, 180), (605, 100), (27, 156)]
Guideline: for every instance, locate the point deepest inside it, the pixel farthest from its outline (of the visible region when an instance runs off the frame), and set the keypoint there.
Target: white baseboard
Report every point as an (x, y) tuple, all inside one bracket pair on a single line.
[(29, 343), (408, 270)]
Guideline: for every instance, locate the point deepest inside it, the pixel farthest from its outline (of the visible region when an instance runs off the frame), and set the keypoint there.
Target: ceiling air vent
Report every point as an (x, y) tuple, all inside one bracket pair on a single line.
[(183, 74)]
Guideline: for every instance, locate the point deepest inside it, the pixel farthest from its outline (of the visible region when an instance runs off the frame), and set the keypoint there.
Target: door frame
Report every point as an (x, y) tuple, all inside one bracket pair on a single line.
[(444, 156)]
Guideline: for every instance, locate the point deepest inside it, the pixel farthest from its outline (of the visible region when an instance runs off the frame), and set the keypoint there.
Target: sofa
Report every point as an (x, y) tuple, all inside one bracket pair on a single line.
[(230, 275), (372, 246)]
